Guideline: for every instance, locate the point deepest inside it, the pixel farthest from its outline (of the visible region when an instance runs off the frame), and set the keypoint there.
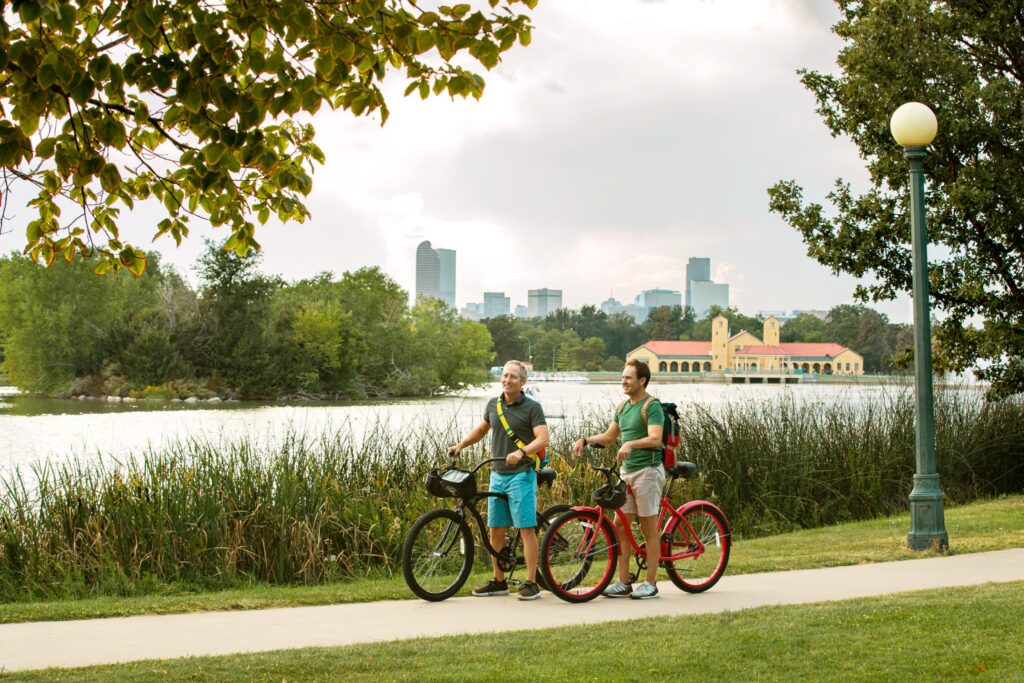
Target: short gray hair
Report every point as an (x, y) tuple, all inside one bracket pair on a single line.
[(520, 365)]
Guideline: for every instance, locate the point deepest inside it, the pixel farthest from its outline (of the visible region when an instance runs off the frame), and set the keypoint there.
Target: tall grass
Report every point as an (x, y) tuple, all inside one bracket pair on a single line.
[(784, 465), (313, 508)]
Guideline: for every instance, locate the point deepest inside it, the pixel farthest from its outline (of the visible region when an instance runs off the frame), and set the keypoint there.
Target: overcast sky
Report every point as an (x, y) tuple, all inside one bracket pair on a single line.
[(630, 136)]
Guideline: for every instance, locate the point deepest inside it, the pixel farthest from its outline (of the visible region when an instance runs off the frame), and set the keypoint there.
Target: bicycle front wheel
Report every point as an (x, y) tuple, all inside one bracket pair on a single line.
[(578, 556), (705, 541), (437, 555)]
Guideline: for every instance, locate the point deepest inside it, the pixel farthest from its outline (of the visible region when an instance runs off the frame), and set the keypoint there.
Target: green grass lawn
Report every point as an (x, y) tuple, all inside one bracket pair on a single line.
[(939, 635), (987, 525)]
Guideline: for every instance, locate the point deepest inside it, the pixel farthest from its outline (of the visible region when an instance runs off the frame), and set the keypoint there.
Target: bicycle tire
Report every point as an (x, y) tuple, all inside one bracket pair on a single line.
[(544, 518), (437, 555), (702, 571), (578, 556)]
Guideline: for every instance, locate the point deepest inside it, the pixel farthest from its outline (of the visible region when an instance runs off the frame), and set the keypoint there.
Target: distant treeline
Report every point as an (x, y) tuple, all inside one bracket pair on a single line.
[(65, 331), (589, 339)]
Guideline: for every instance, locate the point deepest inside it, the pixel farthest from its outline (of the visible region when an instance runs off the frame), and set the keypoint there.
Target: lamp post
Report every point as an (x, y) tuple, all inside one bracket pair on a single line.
[(914, 127)]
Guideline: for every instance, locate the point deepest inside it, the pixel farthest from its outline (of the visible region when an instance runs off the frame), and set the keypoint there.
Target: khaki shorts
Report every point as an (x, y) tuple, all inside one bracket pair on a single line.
[(645, 488)]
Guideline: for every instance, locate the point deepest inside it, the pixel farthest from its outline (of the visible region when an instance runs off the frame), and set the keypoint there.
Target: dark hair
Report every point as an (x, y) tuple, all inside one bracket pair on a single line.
[(642, 370)]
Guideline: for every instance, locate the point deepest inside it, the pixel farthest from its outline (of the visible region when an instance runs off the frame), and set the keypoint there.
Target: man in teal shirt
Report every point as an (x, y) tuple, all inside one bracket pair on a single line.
[(516, 476), (640, 456)]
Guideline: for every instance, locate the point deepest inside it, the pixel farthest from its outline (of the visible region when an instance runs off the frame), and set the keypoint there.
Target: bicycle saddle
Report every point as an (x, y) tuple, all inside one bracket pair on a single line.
[(546, 475), (683, 470)]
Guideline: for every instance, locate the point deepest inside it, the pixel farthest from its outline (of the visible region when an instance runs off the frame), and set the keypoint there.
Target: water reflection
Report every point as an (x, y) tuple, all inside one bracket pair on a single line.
[(35, 430)]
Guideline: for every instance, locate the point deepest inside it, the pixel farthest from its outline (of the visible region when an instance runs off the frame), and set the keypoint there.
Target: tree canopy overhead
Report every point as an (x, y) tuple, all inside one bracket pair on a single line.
[(965, 60), (105, 103)]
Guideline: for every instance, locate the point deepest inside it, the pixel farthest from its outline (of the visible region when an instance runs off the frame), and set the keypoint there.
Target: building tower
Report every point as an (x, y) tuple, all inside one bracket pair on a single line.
[(719, 342), (446, 257), (543, 301), (771, 331), (435, 273), (701, 292)]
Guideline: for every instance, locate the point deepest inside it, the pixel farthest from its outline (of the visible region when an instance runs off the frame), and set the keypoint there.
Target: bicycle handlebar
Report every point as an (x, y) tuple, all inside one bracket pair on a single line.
[(452, 461), (606, 471)]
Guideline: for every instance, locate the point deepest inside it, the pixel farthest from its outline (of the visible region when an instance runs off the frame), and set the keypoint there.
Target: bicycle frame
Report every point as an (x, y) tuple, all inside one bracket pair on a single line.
[(666, 515), (470, 504)]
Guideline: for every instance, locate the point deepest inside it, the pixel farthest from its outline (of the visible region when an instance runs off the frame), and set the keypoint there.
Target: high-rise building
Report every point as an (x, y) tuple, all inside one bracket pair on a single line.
[(447, 284), (496, 304), (435, 273), (540, 302), (698, 269), (701, 292), (522, 311), (472, 311), (649, 299), (611, 305)]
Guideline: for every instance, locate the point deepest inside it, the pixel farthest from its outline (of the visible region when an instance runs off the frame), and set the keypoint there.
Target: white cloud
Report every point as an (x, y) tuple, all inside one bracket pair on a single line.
[(629, 137)]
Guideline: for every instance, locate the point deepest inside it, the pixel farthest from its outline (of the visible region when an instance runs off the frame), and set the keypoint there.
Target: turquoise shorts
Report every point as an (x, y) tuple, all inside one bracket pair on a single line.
[(520, 510)]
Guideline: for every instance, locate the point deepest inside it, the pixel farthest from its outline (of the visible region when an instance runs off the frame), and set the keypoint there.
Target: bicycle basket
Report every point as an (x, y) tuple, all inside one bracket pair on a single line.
[(611, 497), (452, 483)]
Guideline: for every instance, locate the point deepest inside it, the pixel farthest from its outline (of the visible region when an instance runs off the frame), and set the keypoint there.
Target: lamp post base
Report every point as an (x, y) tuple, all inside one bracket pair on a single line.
[(927, 521)]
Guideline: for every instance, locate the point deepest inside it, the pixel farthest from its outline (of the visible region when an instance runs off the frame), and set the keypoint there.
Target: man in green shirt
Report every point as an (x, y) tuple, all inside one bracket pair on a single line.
[(640, 456)]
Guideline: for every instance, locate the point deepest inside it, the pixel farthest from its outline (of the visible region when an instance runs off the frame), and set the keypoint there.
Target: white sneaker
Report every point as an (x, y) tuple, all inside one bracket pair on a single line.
[(645, 591), (618, 590)]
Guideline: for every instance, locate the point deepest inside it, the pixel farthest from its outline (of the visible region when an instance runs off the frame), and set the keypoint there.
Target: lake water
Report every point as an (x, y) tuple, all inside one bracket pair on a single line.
[(33, 431)]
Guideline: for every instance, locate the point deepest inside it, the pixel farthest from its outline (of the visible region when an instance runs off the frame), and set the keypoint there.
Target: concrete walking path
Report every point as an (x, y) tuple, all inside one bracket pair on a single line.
[(39, 645)]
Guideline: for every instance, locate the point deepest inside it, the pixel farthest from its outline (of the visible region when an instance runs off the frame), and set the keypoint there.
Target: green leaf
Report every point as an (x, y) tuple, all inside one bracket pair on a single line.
[(110, 178)]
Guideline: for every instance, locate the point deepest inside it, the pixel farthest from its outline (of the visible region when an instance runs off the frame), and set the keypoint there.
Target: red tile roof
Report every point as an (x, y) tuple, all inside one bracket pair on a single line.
[(761, 351), (812, 350), (703, 348), (679, 348)]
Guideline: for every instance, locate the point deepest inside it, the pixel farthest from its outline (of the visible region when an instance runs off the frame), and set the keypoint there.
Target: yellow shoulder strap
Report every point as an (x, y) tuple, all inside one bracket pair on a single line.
[(512, 435)]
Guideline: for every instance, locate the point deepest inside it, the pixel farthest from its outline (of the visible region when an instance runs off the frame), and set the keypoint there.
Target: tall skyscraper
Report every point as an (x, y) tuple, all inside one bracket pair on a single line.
[(496, 304), (698, 269), (701, 292), (435, 273), (649, 299), (447, 284), (540, 302)]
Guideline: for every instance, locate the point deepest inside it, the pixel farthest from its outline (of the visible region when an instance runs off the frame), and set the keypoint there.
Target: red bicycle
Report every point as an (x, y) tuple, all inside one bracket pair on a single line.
[(579, 552)]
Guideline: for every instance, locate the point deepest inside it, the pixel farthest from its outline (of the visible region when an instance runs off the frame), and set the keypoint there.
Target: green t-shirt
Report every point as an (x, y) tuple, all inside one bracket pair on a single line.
[(631, 424)]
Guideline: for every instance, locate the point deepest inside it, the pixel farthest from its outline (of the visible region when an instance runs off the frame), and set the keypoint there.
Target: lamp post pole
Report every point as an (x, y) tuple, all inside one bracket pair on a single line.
[(914, 127)]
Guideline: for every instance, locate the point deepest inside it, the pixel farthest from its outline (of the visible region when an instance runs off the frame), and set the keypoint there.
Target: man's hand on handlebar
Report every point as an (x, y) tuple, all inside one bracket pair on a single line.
[(515, 456)]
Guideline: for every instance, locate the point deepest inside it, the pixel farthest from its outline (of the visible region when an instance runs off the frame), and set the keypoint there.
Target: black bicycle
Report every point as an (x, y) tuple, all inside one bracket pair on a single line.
[(437, 555)]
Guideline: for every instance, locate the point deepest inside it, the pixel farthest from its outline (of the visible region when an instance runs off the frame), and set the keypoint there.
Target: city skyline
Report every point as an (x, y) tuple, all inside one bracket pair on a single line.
[(559, 174)]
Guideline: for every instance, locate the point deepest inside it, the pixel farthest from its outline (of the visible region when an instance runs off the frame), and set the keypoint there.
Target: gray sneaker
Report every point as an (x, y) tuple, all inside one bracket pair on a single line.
[(645, 591), (618, 590)]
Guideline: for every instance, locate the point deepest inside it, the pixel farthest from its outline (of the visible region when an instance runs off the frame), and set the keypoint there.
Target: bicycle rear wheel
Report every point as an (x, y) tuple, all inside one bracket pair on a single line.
[(709, 542), (437, 555), (578, 556)]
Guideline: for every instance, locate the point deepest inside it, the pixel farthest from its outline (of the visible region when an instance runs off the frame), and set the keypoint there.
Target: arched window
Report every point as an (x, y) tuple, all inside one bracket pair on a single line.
[(753, 367), (707, 366), (674, 367), (816, 368), (662, 366), (828, 368), (806, 368), (685, 367)]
